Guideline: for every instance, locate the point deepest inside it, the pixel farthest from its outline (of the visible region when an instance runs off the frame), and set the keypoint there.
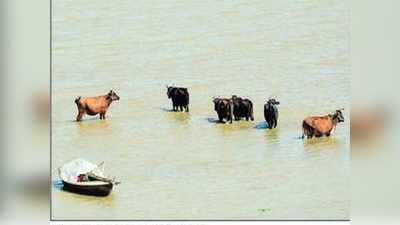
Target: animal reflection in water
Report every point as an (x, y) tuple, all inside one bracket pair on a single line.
[(317, 144), (318, 126), (95, 105), (94, 125), (179, 97)]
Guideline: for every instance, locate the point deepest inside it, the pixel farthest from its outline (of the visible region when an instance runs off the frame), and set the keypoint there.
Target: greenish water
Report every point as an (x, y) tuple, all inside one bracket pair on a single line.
[(184, 165)]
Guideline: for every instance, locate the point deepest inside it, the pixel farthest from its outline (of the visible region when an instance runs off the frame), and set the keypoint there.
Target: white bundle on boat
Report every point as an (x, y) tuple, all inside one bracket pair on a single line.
[(71, 171)]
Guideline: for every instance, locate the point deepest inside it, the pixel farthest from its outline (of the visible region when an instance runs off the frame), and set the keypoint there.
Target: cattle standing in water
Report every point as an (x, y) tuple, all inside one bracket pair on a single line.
[(179, 97), (321, 125), (271, 113), (95, 105), (224, 109), (242, 108)]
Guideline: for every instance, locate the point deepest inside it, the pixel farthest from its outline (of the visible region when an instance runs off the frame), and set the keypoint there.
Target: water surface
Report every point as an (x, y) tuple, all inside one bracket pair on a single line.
[(184, 165)]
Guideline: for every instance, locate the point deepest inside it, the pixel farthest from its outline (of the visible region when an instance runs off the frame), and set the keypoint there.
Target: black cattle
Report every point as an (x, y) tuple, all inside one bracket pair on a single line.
[(179, 97), (271, 113), (242, 108), (224, 109)]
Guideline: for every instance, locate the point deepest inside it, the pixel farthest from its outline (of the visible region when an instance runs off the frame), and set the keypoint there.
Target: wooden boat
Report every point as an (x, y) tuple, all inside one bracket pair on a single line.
[(94, 183), (95, 188)]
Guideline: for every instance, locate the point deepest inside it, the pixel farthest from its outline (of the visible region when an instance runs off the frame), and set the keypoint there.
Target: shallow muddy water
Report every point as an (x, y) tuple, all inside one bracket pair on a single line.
[(184, 165)]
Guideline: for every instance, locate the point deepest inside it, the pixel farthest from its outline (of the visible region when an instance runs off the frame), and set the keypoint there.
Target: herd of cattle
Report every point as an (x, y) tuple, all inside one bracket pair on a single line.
[(228, 109)]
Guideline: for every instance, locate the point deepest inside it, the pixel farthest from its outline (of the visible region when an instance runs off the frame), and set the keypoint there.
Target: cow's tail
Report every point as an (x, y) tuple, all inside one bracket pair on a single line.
[(187, 98), (251, 111), (231, 110), (303, 127), (77, 100), (187, 101), (307, 129)]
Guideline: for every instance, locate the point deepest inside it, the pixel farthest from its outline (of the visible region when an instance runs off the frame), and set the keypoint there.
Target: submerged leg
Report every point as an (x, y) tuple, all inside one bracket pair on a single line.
[(270, 124), (318, 135), (220, 118), (79, 116)]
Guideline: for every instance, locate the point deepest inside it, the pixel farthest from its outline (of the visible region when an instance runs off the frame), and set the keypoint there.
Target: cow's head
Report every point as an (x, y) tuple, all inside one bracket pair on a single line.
[(113, 96), (215, 101), (339, 115), (273, 101), (169, 91)]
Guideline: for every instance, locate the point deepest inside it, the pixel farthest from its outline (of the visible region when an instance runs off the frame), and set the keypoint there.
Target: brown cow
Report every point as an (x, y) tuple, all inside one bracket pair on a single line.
[(95, 105), (321, 125)]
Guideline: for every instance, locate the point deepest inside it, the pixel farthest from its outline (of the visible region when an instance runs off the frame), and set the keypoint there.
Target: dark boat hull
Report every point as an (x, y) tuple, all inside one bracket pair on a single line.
[(94, 190)]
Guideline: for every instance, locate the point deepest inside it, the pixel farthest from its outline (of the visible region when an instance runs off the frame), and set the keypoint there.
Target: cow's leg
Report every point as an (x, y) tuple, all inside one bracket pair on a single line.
[(318, 134), (309, 134), (220, 118), (103, 115), (80, 115), (181, 108), (187, 108)]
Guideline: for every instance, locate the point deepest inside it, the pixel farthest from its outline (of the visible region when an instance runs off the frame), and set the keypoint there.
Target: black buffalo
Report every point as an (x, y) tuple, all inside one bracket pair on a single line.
[(179, 97), (242, 108), (271, 113), (224, 109)]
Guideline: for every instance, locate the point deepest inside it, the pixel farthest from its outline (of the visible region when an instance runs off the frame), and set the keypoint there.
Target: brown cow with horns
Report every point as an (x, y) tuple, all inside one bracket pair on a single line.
[(321, 125), (95, 105)]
